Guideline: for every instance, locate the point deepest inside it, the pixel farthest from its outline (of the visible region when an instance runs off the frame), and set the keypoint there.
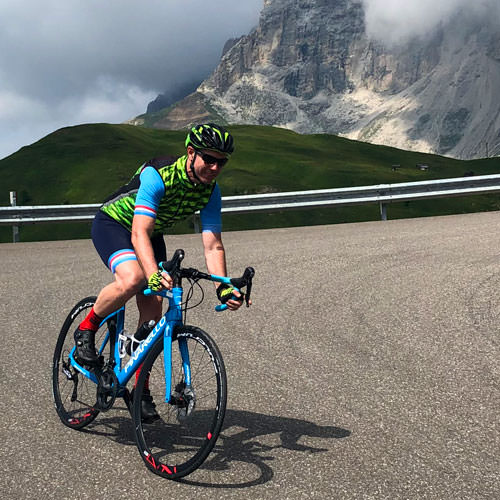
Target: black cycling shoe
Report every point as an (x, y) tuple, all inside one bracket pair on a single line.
[(148, 407), (85, 352)]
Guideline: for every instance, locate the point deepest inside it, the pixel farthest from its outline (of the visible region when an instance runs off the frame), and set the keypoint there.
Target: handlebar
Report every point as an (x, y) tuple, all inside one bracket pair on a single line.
[(173, 267)]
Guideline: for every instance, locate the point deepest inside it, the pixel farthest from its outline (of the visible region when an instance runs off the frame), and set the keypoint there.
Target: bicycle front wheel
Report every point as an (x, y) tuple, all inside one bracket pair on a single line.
[(179, 441), (74, 394)]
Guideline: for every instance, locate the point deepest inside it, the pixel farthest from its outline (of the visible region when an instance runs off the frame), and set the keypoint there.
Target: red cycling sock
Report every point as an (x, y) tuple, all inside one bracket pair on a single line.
[(91, 322)]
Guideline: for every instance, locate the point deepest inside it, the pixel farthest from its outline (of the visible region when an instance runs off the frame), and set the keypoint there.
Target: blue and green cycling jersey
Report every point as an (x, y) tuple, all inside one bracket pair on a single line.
[(161, 189)]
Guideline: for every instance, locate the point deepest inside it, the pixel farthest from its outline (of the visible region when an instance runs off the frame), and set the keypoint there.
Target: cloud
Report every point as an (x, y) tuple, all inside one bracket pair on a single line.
[(391, 21), (25, 119), (63, 63)]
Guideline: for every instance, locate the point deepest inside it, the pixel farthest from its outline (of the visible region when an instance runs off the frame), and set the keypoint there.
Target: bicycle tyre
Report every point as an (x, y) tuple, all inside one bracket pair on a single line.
[(179, 441), (74, 394)]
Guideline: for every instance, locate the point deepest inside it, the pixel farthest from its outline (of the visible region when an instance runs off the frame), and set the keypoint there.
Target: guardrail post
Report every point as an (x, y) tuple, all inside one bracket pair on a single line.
[(15, 229), (196, 222), (383, 211)]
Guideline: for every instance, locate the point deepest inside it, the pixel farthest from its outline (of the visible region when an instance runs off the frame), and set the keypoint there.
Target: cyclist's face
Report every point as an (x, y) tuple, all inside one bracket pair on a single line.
[(206, 169)]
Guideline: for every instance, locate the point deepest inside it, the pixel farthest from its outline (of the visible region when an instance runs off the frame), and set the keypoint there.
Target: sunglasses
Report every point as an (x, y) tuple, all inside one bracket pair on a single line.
[(210, 160)]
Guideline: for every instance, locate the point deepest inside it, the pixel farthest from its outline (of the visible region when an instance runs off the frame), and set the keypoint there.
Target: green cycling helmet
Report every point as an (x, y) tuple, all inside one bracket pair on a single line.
[(212, 137)]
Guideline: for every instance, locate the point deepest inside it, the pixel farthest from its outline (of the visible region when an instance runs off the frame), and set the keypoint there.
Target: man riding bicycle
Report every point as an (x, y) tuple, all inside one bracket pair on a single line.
[(128, 230)]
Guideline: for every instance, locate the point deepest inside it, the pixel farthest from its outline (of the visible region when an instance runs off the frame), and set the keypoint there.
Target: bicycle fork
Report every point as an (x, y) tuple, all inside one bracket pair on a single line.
[(174, 319)]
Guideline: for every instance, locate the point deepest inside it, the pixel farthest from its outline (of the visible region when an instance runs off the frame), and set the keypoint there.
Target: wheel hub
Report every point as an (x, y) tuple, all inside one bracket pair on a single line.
[(185, 400)]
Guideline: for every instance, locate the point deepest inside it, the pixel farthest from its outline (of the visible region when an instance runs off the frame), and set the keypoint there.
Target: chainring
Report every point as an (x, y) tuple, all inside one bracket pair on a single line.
[(107, 389)]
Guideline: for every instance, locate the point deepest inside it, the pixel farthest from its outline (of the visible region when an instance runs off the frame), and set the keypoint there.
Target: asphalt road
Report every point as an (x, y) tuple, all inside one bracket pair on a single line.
[(368, 367)]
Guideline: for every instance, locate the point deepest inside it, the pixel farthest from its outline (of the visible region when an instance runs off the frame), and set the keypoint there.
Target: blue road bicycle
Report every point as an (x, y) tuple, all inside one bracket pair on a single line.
[(180, 365)]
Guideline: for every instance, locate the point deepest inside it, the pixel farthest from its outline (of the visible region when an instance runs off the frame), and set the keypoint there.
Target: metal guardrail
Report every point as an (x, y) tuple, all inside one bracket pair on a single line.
[(382, 194)]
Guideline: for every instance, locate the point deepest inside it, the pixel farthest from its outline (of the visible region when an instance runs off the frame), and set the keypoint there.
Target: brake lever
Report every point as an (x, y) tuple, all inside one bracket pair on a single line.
[(247, 294), (174, 263), (250, 273)]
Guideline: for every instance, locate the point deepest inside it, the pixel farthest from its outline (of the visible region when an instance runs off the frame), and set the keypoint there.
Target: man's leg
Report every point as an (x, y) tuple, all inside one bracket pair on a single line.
[(114, 245), (150, 308), (129, 279)]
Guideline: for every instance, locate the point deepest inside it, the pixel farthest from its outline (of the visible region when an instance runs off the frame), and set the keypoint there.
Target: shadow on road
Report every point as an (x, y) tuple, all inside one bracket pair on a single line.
[(248, 443), (255, 439)]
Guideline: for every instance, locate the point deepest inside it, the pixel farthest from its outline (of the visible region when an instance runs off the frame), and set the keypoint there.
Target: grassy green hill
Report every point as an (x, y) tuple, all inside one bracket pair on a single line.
[(84, 164)]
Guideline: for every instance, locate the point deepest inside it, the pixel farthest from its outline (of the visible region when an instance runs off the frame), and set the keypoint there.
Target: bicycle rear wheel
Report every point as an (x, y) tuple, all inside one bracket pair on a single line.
[(180, 440), (74, 394)]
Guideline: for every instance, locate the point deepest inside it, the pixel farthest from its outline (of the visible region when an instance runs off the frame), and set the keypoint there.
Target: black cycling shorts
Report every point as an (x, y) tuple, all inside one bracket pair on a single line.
[(113, 242)]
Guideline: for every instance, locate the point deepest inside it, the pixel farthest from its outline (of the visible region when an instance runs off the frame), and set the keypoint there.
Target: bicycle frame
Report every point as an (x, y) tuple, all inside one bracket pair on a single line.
[(165, 327)]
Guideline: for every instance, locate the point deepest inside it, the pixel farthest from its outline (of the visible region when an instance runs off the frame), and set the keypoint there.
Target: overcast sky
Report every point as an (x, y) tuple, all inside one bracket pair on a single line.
[(65, 62), (393, 20)]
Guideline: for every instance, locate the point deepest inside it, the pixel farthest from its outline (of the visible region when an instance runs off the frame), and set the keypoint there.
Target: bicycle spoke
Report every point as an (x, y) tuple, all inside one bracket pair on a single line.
[(188, 427)]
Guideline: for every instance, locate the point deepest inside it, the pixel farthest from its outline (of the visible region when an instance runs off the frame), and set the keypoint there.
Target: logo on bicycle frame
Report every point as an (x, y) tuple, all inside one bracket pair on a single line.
[(144, 344)]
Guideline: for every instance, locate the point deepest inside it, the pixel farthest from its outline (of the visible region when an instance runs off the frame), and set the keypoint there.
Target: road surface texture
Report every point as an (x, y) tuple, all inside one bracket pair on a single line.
[(367, 368)]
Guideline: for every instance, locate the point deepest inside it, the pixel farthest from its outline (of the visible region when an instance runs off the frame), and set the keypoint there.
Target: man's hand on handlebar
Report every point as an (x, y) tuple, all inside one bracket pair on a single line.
[(234, 304), (160, 280), (231, 297)]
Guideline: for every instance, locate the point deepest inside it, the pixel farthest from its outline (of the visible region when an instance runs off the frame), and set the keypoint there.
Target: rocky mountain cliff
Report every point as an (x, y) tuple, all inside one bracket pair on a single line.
[(310, 66)]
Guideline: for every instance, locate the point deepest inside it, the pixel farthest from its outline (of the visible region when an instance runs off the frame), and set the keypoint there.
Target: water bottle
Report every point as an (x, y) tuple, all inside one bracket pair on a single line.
[(141, 333)]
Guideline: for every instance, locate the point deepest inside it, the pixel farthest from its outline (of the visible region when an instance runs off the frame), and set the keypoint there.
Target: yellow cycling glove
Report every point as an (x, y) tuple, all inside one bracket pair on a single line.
[(224, 293), (154, 281)]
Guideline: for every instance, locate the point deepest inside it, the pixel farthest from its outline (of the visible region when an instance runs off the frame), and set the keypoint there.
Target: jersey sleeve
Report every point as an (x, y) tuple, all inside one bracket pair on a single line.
[(211, 220), (151, 191)]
